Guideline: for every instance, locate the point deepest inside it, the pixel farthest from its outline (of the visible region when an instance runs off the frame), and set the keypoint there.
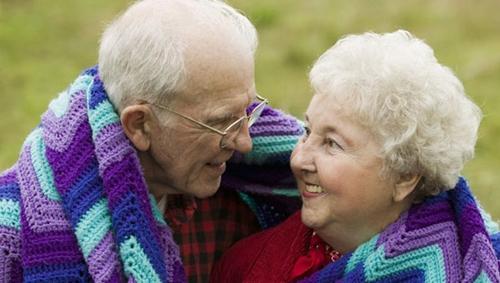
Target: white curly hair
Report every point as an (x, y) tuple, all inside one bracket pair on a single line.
[(415, 107)]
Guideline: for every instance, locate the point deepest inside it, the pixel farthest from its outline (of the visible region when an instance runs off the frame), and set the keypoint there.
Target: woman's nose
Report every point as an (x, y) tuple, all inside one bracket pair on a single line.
[(302, 158)]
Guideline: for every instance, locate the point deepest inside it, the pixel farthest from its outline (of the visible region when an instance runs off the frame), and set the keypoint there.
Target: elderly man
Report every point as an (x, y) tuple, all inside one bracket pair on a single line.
[(104, 187)]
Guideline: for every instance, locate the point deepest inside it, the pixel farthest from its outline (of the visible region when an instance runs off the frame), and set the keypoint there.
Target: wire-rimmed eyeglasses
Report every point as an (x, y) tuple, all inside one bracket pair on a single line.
[(231, 131)]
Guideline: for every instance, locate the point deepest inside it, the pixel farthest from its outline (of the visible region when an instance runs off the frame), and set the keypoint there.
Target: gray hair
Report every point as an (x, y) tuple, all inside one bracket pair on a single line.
[(141, 54), (415, 107)]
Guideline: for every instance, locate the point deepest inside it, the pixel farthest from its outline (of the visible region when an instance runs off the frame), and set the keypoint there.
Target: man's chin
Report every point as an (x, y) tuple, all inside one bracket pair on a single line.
[(207, 190)]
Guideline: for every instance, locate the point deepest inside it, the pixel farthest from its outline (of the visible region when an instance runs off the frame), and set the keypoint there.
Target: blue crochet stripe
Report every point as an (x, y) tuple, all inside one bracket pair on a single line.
[(355, 275), (66, 272), (92, 71), (10, 192), (127, 225), (463, 201), (83, 194), (413, 275), (495, 240), (334, 270), (96, 94)]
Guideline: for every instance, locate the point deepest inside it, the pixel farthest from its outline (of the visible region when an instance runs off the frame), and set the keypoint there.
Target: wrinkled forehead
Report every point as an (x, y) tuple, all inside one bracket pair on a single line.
[(219, 59), (324, 106), (327, 103)]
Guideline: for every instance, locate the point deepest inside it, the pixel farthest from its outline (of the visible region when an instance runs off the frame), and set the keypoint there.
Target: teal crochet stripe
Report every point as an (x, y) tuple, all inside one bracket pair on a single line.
[(156, 211), (482, 278), (93, 227), (136, 262), (429, 259), (9, 213), (42, 168), (101, 117), (361, 253), (267, 147), (293, 192)]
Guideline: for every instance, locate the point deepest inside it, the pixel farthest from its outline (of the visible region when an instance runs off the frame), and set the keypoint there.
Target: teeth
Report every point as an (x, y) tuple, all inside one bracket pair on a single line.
[(314, 189)]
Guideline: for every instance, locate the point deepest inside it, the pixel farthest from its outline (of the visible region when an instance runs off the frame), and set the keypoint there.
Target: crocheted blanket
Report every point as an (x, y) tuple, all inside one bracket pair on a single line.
[(75, 207), (448, 238)]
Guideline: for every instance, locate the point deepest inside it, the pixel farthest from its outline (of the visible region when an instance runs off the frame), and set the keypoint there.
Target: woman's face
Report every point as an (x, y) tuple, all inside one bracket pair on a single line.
[(337, 170)]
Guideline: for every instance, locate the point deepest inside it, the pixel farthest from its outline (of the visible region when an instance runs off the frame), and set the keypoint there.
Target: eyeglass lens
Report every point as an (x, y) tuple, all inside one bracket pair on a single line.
[(234, 129)]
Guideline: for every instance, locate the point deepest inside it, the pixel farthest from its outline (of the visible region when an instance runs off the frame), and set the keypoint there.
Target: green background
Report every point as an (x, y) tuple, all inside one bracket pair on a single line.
[(44, 44)]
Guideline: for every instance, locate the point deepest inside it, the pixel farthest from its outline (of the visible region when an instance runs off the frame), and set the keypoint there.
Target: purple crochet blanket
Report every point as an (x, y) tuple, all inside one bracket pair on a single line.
[(85, 211), (448, 238), (75, 207)]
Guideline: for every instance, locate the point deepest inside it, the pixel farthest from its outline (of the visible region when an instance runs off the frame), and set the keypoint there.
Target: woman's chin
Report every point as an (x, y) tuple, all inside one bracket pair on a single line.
[(312, 218)]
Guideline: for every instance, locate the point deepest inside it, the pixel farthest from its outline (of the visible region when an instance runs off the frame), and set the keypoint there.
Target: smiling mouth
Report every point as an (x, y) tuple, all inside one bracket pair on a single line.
[(217, 167), (314, 189)]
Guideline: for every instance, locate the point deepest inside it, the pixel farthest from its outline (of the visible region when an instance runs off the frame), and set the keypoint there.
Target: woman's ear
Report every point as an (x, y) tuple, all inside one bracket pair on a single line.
[(136, 122), (404, 187)]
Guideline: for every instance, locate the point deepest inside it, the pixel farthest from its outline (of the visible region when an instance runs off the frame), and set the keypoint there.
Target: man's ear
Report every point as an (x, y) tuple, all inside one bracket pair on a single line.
[(136, 122), (405, 186)]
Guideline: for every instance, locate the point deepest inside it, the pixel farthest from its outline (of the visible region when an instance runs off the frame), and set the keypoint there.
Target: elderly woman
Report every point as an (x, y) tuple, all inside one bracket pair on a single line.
[(387, 133)]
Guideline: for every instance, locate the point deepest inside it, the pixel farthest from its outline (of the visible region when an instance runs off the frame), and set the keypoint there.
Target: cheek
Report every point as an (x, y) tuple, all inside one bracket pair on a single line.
[(330, 172)]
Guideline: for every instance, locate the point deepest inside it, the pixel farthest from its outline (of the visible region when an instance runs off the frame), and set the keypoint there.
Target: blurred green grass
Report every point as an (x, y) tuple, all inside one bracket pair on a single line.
[(44, 44)]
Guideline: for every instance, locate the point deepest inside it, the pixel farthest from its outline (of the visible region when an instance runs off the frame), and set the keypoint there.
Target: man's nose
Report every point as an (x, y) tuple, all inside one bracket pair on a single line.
[(243, 141)]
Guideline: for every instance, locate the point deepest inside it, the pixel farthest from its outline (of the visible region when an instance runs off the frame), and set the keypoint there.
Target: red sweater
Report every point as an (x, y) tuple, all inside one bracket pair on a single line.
[(268, 256)]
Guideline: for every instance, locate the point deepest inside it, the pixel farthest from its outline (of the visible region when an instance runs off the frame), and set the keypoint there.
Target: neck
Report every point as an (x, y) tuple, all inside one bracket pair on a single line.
[(344, 240), (153, 175), (346, 237)]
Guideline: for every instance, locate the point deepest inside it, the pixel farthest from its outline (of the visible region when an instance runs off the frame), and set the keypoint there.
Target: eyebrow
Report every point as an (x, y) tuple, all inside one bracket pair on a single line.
[(228, 115), (223, 117), (331, 129)]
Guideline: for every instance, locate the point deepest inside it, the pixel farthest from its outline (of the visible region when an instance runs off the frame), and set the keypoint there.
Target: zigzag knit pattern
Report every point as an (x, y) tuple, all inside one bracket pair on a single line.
[(448, 238), (262, 177), (75, 207), (78, 202)]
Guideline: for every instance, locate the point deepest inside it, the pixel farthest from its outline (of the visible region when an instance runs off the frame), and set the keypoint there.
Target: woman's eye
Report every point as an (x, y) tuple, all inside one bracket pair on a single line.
[(307, 132), (331, 143)]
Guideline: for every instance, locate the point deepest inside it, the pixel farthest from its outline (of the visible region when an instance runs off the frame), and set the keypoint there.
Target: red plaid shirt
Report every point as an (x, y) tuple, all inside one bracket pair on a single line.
[(205, 228)]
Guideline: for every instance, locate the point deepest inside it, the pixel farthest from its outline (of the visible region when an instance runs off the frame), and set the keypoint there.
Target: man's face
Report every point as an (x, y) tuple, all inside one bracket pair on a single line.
[(185, 157)]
